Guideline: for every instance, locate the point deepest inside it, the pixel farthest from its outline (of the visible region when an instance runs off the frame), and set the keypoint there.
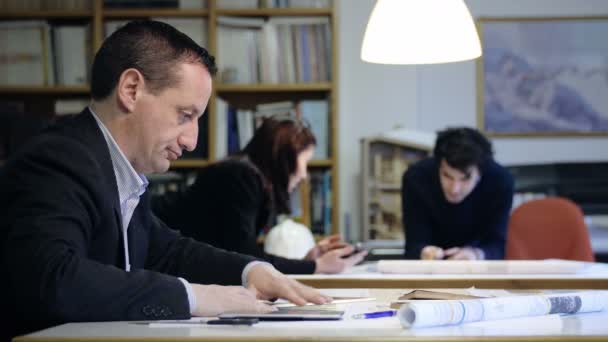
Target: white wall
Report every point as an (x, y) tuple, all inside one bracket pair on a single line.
[(375, 98), (371, 99)]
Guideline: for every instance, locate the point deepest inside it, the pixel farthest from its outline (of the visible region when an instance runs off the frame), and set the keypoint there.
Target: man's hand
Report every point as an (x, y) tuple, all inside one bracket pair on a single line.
[(212, 300), (336, 260), (327, 244), (269, 283), (432, 253), (463, 253)]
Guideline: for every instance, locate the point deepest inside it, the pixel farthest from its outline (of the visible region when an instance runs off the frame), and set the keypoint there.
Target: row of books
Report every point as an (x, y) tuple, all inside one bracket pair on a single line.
[(235, 127), (195, 28), (273, 3), (45, 5), (182, 4), (277, 50), (34, 53), (81, 5)]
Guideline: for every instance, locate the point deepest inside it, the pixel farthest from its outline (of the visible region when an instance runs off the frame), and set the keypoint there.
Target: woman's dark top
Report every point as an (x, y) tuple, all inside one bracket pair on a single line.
[(480, 220), (227, 207)]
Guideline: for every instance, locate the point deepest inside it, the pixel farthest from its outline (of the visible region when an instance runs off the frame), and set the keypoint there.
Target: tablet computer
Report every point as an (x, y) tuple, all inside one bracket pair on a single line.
[(290, 314)]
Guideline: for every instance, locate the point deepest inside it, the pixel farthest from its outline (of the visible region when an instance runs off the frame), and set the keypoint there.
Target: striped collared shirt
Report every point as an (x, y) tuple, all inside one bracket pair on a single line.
[(131, 185)]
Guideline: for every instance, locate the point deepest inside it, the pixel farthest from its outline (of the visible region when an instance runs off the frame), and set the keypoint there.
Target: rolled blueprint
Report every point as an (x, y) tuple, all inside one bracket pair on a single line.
[(450, 312)]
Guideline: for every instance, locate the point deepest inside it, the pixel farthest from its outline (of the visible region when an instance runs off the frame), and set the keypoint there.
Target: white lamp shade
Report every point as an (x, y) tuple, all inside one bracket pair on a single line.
[(420, 32)]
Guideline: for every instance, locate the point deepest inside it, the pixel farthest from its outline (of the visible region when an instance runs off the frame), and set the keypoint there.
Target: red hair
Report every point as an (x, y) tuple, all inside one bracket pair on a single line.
[(274, 150)]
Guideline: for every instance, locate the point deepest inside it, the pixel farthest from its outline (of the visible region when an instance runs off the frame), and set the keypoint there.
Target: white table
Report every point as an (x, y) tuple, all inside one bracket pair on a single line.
[(581, 327), (594, 276)]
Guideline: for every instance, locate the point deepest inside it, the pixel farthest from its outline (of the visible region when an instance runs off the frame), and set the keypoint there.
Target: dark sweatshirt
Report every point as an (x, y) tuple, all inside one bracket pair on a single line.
[(480, 220), (227, 207)]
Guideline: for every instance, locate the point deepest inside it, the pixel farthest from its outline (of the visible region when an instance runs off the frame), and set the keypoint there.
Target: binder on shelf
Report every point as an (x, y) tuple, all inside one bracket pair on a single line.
[(195, 28), (236, 4), (237, 49), (221, 128), (233, 131), (71, 46), (320, 202), (26, 58), (192, 4), (245, 128), (316, 114)]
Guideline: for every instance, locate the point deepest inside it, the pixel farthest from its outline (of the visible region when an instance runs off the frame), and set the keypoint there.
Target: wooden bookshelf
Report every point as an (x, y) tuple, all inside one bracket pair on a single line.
[(44, 15), (268, 12), (98, 15), (146, 13), (271, 87), (383, 163)]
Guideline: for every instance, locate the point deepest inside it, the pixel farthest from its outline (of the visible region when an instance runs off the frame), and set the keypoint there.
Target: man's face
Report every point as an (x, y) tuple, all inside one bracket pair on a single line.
[(167, 123), (455, 184)]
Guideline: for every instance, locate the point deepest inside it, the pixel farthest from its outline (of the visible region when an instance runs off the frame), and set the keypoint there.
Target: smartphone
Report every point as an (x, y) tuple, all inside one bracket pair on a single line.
[(358, 248)]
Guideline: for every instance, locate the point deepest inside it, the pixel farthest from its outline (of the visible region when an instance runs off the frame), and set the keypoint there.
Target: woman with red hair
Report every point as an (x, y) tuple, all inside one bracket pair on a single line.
[(234, 200)]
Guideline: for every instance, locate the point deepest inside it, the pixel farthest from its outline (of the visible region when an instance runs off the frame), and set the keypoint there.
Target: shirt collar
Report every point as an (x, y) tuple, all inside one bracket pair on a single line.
[(129, 182)]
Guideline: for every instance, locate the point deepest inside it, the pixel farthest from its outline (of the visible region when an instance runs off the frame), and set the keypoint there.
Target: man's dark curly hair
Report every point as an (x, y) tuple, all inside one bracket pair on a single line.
[(463, 147)]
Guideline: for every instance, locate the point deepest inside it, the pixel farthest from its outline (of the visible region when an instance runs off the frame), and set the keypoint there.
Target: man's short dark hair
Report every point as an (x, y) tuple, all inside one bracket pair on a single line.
[(153, 48), (463, 147)]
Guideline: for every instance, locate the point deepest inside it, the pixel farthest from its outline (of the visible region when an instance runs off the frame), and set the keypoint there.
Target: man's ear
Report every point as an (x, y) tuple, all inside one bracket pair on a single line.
[(130, 86)]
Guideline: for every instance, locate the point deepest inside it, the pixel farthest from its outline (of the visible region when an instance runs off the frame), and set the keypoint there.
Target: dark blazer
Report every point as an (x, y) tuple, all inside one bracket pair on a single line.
[(227, 207), (61, 240)]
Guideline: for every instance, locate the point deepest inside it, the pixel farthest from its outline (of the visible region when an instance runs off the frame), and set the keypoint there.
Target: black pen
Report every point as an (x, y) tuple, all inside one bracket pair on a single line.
[(234, 321), (190, 323)]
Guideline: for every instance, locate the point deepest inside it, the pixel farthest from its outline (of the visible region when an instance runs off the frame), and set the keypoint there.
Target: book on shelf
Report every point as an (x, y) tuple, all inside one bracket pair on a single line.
[(320, 202), (26, 58), (237, 49), (71, 46), (275, 108), (192, 4), (221, 128), (316, 114), (236, 4), (233, 145), (70, 106), (245, 126)]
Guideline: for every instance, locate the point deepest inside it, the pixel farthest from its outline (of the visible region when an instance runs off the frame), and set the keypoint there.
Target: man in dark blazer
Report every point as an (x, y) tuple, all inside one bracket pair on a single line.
[(78, 242)]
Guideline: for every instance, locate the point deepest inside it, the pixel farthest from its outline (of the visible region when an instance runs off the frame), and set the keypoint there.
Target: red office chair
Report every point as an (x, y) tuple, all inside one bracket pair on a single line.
[(551, 227)]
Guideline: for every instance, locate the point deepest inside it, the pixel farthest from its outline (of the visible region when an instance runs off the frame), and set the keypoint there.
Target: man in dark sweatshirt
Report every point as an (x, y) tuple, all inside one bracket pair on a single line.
[(456, 204)]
